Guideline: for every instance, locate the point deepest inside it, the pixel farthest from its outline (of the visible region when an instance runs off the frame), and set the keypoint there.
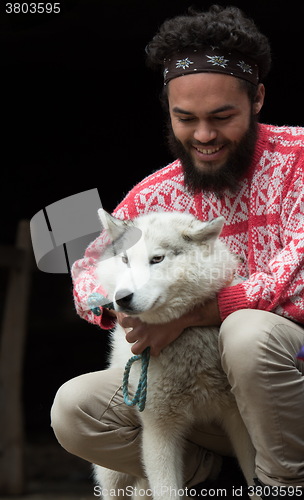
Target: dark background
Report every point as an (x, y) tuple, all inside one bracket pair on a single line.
[(79, 110)]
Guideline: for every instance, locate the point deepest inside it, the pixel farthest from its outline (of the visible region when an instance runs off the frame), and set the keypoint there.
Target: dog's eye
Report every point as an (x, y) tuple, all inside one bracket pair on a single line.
[(125, 259), (156, 259)]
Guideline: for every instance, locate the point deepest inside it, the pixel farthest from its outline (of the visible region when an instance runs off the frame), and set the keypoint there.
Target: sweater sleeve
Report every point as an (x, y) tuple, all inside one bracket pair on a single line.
[(280, 287), (85, 283), (83, 271), (142, 198)]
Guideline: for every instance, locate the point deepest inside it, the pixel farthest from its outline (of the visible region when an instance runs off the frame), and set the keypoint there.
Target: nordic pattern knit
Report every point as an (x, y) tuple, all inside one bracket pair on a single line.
[(264, 227)]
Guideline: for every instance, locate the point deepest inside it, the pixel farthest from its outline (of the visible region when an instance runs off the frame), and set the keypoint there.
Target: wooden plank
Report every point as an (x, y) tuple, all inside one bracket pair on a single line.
[(12, 340), (11, 256)]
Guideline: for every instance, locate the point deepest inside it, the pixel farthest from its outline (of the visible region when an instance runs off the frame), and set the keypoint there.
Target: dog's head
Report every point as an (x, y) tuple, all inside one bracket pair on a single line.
[(161, 264)]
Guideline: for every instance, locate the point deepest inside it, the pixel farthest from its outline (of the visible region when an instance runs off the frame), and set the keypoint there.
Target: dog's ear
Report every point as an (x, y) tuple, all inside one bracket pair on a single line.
[(122, 233), (212, 230), (113, 226), (206, 233)]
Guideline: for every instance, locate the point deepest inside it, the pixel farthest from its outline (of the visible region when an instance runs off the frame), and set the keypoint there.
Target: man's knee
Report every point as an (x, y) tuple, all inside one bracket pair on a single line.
[(88, 413), (66, 415)]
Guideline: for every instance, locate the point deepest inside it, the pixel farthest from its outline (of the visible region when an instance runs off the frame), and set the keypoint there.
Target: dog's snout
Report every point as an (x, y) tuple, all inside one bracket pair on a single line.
[(123, 297)]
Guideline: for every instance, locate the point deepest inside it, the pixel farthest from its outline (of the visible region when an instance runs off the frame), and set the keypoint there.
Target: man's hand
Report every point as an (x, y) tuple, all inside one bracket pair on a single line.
[(159, 336)]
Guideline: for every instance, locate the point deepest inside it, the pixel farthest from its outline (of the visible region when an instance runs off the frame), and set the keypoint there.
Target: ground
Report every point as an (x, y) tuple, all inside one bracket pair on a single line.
[(54, 474)]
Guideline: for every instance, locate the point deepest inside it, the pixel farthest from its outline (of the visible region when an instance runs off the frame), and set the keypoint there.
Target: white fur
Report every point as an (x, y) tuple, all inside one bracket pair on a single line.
[(177, 263)]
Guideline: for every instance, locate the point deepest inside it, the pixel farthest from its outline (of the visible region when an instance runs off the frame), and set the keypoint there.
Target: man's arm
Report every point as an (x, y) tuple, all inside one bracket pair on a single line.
[(277, 287)]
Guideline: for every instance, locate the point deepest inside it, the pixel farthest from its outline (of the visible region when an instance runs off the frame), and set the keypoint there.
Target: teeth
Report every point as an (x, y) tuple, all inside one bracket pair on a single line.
[(208, 151)]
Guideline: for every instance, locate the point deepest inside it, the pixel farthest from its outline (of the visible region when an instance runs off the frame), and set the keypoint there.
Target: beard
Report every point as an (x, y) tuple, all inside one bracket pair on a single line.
[(226, 177)]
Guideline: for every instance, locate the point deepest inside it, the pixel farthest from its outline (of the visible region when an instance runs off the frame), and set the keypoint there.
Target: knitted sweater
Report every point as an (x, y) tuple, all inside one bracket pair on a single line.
[(264, 226)]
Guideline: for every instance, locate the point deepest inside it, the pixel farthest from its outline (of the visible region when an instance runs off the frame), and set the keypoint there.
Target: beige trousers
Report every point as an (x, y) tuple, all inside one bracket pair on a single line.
[(258, 352)]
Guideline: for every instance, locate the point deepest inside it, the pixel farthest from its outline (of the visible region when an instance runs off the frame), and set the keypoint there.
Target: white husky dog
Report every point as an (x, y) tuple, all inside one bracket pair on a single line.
[(176, 264)]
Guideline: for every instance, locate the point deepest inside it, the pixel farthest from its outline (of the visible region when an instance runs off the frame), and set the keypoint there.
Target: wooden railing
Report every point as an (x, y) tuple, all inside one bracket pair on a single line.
[(19, 261)]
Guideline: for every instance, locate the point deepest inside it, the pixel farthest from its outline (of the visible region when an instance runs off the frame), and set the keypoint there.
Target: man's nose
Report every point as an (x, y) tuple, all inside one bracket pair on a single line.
[(204, 133)]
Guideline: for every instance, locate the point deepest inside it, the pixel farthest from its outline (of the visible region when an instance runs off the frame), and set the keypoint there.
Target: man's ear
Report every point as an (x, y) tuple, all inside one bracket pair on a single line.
[(259, 99)]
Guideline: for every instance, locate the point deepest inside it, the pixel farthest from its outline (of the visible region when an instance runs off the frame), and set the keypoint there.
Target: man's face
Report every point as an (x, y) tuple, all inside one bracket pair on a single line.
[(213, 128)]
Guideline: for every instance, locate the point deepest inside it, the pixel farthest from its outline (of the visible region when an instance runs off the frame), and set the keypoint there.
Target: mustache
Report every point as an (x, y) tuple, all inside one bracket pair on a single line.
[(214, 143)]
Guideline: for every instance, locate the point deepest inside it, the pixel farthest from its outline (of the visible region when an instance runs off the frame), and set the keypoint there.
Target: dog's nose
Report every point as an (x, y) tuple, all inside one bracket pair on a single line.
[(123, 297)]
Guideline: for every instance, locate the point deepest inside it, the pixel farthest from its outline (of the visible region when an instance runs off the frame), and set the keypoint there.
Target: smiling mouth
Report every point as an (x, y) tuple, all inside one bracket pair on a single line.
[(208, 151)]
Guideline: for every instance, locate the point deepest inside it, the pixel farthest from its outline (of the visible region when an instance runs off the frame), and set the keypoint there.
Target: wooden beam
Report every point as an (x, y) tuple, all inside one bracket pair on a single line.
[(12, 341)]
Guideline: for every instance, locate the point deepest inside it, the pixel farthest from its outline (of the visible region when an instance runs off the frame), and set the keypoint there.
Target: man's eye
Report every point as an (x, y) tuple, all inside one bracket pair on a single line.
[(180, 119), (222, 118)]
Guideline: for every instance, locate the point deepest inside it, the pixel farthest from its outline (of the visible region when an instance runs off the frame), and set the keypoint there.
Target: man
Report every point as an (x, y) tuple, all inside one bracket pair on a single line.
[(228, 164)]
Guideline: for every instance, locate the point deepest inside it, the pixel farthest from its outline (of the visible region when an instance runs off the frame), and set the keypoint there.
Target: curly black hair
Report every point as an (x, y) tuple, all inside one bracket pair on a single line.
[(225, 27)]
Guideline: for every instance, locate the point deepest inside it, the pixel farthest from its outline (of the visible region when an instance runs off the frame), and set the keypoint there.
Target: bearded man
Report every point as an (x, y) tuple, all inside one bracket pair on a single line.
[(214, 65)]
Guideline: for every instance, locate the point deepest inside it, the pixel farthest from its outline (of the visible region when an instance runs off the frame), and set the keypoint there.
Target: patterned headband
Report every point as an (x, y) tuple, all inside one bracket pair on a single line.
[(211, 60)]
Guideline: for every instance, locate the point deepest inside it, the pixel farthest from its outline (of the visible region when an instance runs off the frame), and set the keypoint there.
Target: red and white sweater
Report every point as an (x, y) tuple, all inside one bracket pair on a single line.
[(264, 226)]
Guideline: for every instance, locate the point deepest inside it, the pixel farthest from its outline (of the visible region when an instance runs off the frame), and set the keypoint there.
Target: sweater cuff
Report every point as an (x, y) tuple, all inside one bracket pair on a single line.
[(232, 299), (106, 322)]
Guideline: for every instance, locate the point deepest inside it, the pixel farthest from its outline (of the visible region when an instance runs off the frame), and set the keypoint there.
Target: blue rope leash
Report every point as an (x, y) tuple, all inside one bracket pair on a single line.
[(141, 392), (95, 300)]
